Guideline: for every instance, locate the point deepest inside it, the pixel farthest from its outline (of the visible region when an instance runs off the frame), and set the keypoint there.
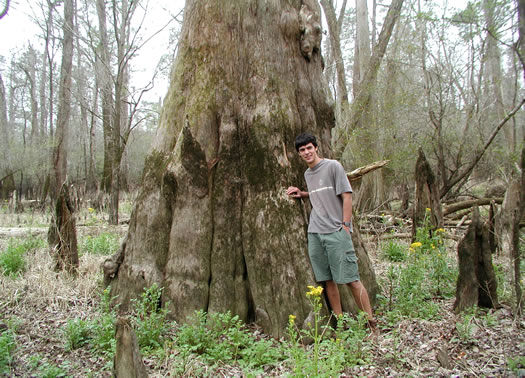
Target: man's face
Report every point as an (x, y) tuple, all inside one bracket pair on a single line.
[(308, 153)]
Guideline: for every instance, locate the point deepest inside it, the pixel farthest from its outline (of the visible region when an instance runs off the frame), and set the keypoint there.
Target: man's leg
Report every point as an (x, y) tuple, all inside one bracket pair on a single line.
[(363, 302), (361, 298), (332, 292)]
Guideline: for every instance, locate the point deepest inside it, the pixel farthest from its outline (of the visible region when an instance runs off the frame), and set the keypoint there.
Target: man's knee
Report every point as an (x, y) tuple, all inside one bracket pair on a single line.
[(355, 284)]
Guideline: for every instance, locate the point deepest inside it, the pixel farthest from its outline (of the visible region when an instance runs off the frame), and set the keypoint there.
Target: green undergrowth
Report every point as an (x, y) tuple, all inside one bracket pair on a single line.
[(105, 243), (209, 341), (13, 259), (7, 347), (418, 276)]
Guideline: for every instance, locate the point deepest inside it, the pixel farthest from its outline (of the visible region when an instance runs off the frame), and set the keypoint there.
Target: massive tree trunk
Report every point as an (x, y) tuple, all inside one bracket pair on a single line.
[(212, 223)]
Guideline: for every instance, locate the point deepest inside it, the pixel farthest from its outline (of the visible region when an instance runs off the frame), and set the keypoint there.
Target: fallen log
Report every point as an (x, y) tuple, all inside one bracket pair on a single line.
[(468, 204)]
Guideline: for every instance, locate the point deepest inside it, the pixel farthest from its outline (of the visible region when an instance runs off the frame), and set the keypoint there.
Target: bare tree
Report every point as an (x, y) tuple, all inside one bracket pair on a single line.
[(6, 172), (105, 79), (62, 232)]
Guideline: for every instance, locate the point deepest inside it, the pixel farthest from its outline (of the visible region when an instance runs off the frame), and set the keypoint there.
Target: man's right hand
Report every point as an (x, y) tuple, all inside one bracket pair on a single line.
[(294, 192)]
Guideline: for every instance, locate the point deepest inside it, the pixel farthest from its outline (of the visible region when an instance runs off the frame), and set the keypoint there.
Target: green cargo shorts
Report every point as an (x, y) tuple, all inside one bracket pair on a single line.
[(333, 257)]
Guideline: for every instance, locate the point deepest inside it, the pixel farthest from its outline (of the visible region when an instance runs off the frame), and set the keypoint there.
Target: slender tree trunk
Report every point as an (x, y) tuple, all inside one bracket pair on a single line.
[(342, 105), (4, 128), (104, 71), (29, 68), (212, 224), (49, 182), (62, 232), (122, 32), (516, 252), (7, 184), (91, 184), (494, 75), (84, 131), (42, 94)]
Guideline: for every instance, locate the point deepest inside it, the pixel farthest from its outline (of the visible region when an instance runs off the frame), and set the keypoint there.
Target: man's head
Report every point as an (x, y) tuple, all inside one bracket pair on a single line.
[(306, 145), (303, 139)]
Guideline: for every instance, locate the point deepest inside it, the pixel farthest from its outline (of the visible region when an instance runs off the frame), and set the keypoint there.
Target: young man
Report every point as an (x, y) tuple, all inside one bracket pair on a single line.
[(330, 244)]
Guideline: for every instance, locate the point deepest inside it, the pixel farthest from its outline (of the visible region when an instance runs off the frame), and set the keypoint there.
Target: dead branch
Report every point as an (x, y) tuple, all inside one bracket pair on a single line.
[(358, 173), (463, 176)]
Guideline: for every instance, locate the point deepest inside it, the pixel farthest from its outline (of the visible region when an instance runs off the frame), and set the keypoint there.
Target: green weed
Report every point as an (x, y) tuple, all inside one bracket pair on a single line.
[(327, 356), (47, 369), (76, 333), (221, 338), (102, 329), (393, 251), (516, 363), (150, 319), (465, 326), (103, 244), (12, 259), (429, 273), (7, 347)]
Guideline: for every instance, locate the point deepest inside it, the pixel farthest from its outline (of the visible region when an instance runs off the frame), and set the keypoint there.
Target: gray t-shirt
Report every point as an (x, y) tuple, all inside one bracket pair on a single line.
[(326, 181)]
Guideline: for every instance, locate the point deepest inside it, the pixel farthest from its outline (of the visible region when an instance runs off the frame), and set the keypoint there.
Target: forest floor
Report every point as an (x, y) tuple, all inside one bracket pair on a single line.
[(39, 303)]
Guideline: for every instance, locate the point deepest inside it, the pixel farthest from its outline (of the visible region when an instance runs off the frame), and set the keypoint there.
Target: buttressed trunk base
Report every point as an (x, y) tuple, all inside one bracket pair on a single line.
[(213, 225)]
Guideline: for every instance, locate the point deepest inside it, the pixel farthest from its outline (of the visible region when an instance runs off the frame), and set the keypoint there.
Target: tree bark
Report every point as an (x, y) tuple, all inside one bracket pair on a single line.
[(477, 284), (516, 252), (426, 196), (212, 224), (127, 362), (62, 234)]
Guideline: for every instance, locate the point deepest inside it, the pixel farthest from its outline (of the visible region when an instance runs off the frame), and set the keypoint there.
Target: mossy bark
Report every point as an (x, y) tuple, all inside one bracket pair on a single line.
[(213, 224)]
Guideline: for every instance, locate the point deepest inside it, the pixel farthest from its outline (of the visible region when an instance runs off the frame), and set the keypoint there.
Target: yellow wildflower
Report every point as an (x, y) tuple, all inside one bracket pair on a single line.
[(291, 319), (411, 250), (314, 291), (428, 210), (415, 245), (91, 209), (440, 230), (432, 246)]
